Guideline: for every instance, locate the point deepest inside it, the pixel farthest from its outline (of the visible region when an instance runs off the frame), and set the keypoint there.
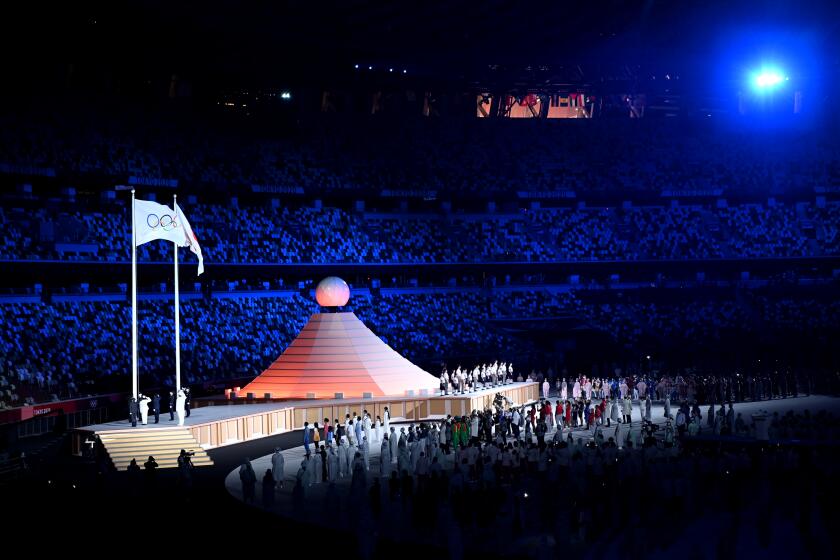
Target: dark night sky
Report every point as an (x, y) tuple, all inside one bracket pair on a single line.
[(236, 40)]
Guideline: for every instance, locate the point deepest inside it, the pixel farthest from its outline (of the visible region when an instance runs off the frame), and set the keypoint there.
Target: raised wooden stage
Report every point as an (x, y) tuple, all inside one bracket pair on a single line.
[(228, 422)]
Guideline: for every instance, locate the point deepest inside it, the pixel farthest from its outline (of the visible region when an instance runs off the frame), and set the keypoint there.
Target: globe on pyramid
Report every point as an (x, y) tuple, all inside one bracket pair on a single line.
[(332, 291)]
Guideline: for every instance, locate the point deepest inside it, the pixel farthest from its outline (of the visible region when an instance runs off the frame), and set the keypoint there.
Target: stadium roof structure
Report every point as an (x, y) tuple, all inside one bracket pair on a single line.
[(337, 353)]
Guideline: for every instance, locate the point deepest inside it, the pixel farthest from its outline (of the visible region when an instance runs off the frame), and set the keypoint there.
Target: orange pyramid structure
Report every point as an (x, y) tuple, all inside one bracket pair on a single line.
[(337, 353)]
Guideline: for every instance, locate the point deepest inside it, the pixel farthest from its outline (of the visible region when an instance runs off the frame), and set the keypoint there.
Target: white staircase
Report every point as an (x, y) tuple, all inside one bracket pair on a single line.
[(164, 444)]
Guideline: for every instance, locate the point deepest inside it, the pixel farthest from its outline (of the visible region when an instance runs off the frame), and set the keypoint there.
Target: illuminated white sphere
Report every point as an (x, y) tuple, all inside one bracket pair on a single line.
[(332, 291)]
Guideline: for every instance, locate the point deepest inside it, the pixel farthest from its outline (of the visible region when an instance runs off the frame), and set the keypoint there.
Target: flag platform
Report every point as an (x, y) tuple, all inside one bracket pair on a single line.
[(220, 422)]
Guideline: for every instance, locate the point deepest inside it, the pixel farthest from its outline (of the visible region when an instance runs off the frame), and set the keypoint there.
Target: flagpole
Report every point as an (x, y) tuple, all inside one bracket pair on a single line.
[(177, 310), (134, 380)]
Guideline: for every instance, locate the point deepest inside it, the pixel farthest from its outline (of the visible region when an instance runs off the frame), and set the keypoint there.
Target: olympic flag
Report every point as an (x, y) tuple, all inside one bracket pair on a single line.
[(188, 238), (156, 221)]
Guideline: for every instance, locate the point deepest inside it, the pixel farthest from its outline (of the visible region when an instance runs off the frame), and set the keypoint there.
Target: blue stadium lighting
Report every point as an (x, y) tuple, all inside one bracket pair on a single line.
[(767, 79), (285, 95)]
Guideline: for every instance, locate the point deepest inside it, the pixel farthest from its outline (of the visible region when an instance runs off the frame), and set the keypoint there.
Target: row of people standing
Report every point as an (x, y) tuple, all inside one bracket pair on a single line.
[(417, 450), (179, 404), (584, 387), (414, 450), (464, 380), (354, 427)]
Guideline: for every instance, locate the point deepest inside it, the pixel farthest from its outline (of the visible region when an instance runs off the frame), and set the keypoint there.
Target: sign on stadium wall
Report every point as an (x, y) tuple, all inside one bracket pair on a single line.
[(276, 189), (545, 194), (153, 181), (22, 413)]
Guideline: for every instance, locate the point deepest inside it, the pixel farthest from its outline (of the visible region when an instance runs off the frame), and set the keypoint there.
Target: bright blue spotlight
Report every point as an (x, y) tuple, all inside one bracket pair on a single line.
[(769, 79)]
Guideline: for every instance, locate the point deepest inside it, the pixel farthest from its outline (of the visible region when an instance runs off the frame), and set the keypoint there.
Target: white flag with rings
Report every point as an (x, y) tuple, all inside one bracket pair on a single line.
[(156, 221)]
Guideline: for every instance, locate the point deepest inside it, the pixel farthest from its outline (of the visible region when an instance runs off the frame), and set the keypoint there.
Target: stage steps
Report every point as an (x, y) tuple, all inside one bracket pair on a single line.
[(164, 444)]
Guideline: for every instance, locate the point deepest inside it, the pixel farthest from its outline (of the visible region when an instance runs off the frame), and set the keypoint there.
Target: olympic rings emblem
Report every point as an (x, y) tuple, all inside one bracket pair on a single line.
[(166, 222)]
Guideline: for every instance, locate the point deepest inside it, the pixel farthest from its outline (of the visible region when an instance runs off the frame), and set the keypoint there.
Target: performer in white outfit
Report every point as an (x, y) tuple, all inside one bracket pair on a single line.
[(385, 460), (350, 454), (333, 468), (180, 402), (144, 409), (378, 429), (348, 428), (342, 457), (366, 426), (366, 452), (278, 465), (393, 440), (641, 386), (315, 464)]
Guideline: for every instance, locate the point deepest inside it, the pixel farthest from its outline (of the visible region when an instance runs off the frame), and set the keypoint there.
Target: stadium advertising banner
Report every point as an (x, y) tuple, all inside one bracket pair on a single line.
[(46, 409)]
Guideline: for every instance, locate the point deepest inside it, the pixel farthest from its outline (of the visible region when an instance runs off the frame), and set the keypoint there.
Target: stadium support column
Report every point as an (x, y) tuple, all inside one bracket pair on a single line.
[(177, 313), (133, 301), (545, 103)]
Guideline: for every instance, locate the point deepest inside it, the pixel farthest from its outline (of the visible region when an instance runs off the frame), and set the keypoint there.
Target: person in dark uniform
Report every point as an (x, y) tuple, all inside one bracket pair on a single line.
[(187, 401), (133, 411), (134, 478), (156, 407), (323, 452), (149, 470), (185, 467), (171, 406), (100, 455)]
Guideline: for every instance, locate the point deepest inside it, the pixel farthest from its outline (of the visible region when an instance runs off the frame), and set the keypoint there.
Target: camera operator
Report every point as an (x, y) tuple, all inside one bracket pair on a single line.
[(185, 468)]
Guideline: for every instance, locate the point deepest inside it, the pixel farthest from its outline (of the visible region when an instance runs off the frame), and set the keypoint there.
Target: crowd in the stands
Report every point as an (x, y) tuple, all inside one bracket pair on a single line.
[(305, 234), (79, 346), (64, 348), (443, 155)]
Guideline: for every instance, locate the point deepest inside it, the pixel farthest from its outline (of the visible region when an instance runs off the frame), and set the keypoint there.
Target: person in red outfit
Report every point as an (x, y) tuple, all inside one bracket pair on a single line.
[(558, 414)]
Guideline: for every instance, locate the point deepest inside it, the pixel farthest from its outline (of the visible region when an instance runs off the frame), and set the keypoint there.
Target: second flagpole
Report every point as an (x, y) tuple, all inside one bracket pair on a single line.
[(177, 308), (134, 380)]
